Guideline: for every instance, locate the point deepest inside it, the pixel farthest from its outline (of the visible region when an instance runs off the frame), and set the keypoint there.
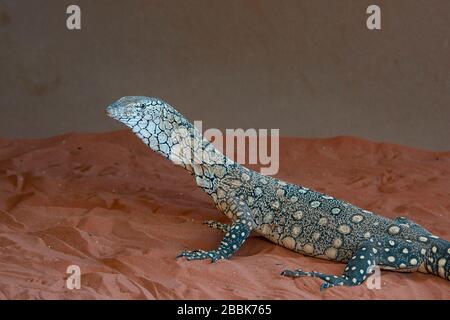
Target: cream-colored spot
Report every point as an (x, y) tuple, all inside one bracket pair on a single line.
[(298, 215), (295, 231), (315, 204), (423, 239), (323, 221), (275, 204), (258, 191), (280, 193), (220, 193), (422, 268), (374, 250), (423, 251), (344, 229), (357, 218), (294, 199), (250, 201), (223, 206), (308, 248), (441, 262), (268, 218), (391, 259), (434, 249), (331, 253), (219, 171), (327, 197), (245, 177), (203, 182), (405, 250), (402, 265), (236, 183), (367, 235), (281, 183), (302, 190), (413, 261), (335, 210), (337, 243), (392, 242), (448, 250), (316, 235), (265, 229), (441, 272), (288, 242), (394, 230)]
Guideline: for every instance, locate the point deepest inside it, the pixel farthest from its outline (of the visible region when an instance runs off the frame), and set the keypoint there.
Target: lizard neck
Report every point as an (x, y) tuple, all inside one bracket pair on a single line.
[(177, 139)]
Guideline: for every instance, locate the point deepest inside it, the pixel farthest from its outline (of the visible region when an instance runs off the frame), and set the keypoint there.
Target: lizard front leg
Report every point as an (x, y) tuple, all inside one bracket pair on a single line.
[(234, 238), (218, 225)]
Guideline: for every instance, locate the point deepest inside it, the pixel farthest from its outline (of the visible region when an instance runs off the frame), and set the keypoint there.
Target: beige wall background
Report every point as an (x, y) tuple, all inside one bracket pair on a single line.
[(310, 68)]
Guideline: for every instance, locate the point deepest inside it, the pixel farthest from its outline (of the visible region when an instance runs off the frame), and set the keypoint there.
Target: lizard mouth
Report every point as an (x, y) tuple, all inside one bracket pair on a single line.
[(110, 111)]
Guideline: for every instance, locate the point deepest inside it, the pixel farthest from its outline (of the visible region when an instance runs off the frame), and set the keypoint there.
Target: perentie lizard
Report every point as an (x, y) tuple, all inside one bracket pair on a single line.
[(289, 215)]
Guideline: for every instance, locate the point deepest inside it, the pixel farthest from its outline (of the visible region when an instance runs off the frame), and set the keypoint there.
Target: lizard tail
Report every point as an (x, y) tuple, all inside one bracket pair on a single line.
[(437, 259)]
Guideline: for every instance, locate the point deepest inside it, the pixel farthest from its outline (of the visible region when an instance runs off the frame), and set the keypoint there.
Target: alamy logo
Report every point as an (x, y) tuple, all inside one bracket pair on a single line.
[(74, 279), (190, 149), (73, 21), (374, 281), (373, 22)]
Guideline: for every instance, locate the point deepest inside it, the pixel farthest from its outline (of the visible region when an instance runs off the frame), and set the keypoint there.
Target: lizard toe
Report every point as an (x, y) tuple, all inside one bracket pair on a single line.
[(213, 255)]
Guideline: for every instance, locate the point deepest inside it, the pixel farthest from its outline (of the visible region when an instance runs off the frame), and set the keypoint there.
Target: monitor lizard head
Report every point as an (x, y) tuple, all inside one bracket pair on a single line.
[(158, 125), (133, 109)]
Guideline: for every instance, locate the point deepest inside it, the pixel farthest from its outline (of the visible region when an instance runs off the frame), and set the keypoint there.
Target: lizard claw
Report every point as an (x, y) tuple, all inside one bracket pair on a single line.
[(295, 273)]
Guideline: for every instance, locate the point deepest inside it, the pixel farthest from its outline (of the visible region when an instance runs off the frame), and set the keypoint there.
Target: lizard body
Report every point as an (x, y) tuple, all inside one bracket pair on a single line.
[(289, 215)]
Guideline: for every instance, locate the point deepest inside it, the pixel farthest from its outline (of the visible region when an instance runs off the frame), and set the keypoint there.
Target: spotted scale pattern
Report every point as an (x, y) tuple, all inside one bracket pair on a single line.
[(289, 215)]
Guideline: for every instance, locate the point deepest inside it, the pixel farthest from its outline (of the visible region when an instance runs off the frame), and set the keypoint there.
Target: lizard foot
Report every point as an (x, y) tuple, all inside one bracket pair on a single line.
[(235, 236), (214, 255), (330, 280)]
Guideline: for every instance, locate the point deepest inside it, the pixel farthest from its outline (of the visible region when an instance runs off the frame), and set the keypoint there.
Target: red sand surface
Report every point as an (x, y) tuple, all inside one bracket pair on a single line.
[(108, 204)]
